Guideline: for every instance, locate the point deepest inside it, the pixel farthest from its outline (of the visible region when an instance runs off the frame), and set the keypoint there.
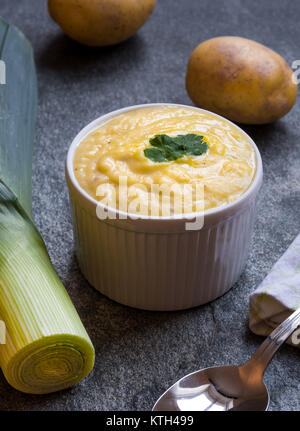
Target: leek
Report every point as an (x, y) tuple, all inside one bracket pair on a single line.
[(47, 348)]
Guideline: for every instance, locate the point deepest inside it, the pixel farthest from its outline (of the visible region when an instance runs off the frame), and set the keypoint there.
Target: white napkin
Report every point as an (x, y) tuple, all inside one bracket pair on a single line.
[(279, 293)]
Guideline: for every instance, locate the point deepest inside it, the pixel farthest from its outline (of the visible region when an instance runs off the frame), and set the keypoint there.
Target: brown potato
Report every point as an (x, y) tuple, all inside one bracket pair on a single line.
[(241, 80), (100, 22)]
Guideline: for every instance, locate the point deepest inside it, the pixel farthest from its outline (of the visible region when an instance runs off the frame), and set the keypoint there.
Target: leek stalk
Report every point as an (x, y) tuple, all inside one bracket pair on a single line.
[(47, 348)]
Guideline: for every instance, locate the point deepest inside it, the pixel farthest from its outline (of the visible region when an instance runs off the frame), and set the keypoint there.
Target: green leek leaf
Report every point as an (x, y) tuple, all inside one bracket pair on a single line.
[(18, 107)]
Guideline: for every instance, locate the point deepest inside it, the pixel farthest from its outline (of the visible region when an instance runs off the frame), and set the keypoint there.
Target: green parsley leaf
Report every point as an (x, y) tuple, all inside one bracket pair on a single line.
[(166, 148), (155, 155)]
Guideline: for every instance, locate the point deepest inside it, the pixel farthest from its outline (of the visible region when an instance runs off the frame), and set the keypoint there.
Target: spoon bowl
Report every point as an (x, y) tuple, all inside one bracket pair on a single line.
[(215, 389), (229, 387)]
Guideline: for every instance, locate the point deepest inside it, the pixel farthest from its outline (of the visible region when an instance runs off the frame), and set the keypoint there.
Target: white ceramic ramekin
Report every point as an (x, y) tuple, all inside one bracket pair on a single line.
[(154, 263)]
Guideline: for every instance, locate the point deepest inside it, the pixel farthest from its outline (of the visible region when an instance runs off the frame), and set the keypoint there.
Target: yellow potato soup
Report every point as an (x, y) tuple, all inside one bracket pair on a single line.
[(110, 163)]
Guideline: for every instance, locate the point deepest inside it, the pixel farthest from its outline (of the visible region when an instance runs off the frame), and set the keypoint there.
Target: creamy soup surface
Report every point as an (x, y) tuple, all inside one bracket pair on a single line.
[(115, 149)]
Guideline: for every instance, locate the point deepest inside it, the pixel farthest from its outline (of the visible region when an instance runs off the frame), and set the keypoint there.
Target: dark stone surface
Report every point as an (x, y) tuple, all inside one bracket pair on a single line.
[(139, 354)]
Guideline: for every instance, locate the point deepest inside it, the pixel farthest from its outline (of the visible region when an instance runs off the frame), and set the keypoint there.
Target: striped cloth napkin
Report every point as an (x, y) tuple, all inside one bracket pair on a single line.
[(279, 293)]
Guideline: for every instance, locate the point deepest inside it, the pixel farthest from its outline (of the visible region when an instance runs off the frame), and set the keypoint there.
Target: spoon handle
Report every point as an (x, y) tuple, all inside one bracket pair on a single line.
[(269, 347)]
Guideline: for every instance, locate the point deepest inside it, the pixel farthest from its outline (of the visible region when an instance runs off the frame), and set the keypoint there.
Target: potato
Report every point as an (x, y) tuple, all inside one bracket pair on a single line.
[(240, 79), (100, 22)]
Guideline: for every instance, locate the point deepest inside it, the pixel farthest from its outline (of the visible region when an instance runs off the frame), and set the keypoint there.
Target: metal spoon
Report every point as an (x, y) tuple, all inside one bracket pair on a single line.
[(229, 387)]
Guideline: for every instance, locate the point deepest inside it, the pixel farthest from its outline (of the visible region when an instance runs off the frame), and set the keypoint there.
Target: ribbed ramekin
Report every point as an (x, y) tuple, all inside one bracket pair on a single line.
[(154, 263)]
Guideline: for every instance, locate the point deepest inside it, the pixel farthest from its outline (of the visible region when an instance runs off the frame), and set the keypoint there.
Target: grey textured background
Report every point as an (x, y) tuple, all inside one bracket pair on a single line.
[(139, 354)]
